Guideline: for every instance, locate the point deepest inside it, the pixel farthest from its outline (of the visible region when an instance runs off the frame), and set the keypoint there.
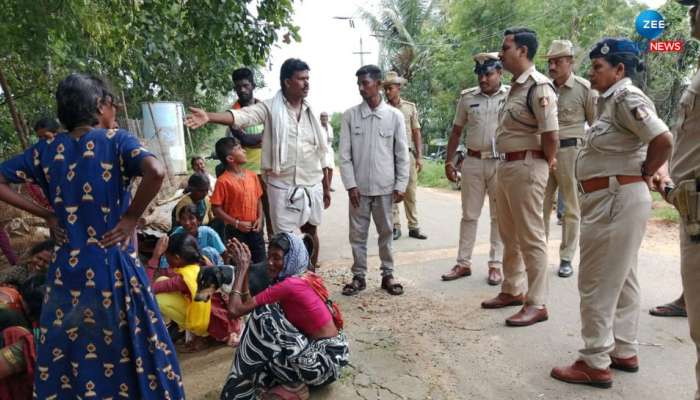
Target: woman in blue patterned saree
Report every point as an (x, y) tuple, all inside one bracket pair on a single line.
[(101, 333)]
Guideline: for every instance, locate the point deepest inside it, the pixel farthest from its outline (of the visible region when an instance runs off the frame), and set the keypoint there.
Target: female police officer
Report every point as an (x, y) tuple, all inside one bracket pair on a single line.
[(625, 146)]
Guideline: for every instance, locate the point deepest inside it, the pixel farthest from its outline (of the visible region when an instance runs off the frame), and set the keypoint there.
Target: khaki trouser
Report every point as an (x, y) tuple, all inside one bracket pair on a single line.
[(690, 270), (520, 192), (613, 223), (478, 179), (409, 199), (379, 209), (564, 178)]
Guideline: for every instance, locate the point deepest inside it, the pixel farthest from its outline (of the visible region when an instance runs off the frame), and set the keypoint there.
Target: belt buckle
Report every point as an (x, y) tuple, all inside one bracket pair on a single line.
[(580, 187)]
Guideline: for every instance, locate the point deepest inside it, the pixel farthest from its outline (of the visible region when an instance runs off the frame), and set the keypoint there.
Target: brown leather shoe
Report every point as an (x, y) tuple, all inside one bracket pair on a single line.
[(495, 277), (503, 300), (528, 315), (630, 364), (581, 373), (457, 272)]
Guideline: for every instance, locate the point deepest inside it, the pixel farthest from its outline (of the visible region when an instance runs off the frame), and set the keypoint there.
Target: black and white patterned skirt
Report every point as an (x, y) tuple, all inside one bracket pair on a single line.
[(272, 351)]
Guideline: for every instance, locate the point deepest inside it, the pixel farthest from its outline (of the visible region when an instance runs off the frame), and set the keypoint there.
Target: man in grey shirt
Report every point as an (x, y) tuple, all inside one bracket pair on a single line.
[(374, 166)]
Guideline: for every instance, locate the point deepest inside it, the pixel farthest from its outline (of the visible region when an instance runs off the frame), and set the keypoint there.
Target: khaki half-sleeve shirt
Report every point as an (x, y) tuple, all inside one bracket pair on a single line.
[(576, 106), (520, 128), (479, 113), (616, 143)]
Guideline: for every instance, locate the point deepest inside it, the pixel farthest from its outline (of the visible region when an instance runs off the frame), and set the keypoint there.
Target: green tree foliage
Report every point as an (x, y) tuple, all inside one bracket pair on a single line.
[(150, 49), (455, 30)]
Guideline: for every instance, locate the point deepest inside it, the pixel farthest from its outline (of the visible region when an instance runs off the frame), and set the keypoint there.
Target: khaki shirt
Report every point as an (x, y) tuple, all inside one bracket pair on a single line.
[(373, 150), (685, 162), (305, 162), (616, 143), (519, 129), (479, 113), (410, 115), (576, 106)]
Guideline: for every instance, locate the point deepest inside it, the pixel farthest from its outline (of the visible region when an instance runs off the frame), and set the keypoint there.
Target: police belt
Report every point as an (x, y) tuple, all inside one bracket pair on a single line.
[(568, 142), (483, 155), (603, 182), (521, 155)]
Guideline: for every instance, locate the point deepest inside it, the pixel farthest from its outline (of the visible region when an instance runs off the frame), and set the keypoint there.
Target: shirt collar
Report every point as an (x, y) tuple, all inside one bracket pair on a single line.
[(304, 104), (366, 111), (619, 84), (500, 90), (523, 77), (570, 81)]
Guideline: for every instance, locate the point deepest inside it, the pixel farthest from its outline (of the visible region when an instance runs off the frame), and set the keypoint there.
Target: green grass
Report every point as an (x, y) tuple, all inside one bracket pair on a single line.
[(433, 175), (661, 210)]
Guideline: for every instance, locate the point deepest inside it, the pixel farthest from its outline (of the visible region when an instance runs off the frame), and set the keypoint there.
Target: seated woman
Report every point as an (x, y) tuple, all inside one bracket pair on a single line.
[(210, 244), (197, 190), (175, 294), (20, 307), (292, 339)]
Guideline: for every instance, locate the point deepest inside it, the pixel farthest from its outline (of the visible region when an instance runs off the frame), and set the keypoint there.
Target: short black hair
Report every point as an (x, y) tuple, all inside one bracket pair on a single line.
[(372, 70), (243, 73), (198, 182), (46, 245), (184, 245), (224, 147), (289, 67), (77, 97), (190, 208), (280, 241), (524, 37), (48, 123), (195, 158)]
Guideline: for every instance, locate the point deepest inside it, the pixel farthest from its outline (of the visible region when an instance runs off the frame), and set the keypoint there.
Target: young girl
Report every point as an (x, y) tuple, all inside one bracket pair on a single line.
[(175, 297)]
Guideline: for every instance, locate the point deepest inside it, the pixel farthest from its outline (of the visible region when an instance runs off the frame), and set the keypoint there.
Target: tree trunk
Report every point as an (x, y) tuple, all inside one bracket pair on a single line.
[(16, 118)]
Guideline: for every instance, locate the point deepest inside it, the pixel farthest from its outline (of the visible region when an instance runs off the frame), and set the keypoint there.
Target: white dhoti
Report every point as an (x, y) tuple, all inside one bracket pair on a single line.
[(291, 207)]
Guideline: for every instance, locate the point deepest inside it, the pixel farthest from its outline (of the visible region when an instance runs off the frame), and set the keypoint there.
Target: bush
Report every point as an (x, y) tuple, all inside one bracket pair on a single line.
[(433, 175)]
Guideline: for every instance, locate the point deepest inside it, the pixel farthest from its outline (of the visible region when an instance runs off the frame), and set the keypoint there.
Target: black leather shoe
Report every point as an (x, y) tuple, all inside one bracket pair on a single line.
[(416, 234), (565, 269), (397, 233)]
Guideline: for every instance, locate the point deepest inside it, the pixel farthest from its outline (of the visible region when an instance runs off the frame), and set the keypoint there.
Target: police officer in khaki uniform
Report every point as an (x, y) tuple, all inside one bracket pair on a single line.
[(576, 106), (392, 89), (685, 172), (527, 137), (625, 146), (478, 111)]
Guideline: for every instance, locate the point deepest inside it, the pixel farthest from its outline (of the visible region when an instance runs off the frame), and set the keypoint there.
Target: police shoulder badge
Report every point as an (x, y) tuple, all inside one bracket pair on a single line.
[(641, 113), (605, 49)]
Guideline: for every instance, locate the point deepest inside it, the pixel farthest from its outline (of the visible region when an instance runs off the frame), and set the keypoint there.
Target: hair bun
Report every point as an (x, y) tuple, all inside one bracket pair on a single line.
[(641, 66)]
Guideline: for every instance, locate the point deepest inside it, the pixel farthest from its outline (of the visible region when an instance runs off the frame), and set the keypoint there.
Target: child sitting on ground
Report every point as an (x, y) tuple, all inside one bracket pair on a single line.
[(175, 298), (197, 193), (237, 198), (210, 244)]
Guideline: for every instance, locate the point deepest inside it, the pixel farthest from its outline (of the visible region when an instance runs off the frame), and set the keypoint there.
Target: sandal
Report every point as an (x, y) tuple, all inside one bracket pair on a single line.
[(357, 285), (393, 288), (668, 310), (287, 392)]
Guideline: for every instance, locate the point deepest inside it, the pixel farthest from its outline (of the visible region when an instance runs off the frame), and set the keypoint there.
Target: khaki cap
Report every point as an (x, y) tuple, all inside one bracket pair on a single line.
[(560, 48), (393, 78), (481, 58)]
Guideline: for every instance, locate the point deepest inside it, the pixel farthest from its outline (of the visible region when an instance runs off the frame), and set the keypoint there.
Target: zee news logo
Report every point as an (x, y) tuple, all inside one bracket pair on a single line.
[(650, 25)]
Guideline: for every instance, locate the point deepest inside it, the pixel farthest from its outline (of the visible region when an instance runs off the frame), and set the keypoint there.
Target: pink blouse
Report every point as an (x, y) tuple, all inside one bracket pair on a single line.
[(301, 305)]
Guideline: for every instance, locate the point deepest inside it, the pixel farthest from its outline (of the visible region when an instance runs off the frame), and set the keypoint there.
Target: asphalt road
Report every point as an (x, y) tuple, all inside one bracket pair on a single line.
[(435, 342)]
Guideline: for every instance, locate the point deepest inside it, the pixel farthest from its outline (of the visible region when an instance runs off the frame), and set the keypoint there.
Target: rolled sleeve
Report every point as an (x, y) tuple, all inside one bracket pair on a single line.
[(544, 106), (639, 117), (252, 115)]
